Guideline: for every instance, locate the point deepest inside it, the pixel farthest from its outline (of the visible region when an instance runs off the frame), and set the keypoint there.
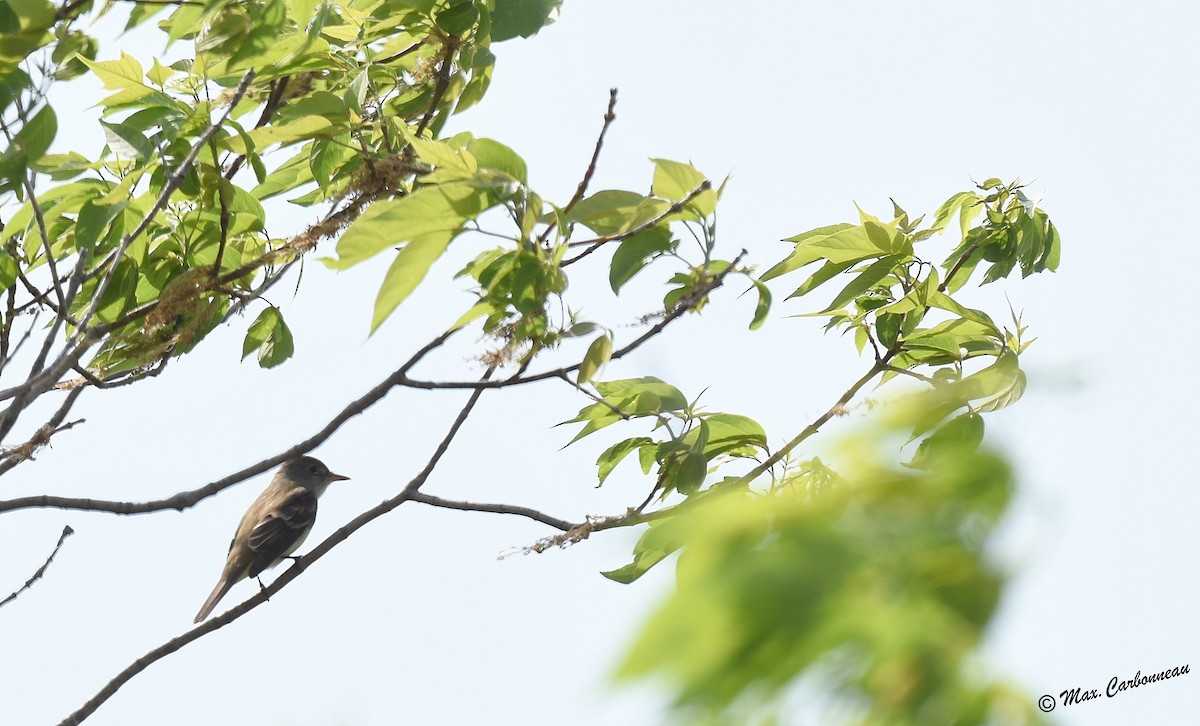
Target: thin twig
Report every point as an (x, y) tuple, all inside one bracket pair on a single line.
[(580, 190), (37, 575)]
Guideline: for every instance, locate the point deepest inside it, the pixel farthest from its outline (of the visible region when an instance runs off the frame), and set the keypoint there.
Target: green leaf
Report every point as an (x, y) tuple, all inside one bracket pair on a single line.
[(356, 92), (407, 270), (616, 453), (827, 272), (443, 156), (119, 295), (62, 166), (1053, 247), (668, 397), (595, 359), (326, 157), (127, 142), (1001, 384), (959, 434), (319, 103), (865, 280), (763, 307), (307, 127), (634, 252), (121, 73), (270, 336), (491, 154), (512, 18), (478, 310), (36, 135), (8, 270), (887, 328), (674, 181), (443, 208), (960, 201), (458, 17), (728, 433), (93, 220), (159, 73), (606, 212), (846, 244), (687, 476), (659, 541)]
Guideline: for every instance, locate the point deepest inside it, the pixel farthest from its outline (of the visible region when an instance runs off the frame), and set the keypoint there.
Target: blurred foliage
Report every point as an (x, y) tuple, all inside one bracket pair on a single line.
[(874, 583)]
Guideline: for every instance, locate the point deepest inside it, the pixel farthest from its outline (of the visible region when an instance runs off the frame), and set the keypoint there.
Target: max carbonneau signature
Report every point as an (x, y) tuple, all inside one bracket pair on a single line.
[(1116, 686)]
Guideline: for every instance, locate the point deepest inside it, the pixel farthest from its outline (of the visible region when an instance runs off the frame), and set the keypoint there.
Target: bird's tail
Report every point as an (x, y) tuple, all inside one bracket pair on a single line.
[(218, 592)]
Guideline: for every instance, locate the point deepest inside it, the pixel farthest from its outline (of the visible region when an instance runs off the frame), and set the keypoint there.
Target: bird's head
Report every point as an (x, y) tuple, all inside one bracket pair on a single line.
[(309, 473)]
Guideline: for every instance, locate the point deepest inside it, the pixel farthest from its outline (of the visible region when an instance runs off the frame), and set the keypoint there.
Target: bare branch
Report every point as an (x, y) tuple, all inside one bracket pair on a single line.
[(37, 575), (186, 499), (495, 508)]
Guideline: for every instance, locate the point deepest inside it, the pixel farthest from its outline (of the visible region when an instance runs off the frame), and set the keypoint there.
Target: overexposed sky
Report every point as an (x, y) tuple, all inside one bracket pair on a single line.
[(415, 620)]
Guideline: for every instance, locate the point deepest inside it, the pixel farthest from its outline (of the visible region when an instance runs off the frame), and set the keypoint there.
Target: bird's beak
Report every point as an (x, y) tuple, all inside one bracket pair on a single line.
[(337, 477)]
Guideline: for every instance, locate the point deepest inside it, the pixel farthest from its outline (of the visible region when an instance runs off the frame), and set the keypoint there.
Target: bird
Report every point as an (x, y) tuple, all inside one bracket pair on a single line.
[(275, 525)]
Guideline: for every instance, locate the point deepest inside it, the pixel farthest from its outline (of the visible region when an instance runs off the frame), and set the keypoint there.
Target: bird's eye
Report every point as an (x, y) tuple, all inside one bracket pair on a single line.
[(314, 469)]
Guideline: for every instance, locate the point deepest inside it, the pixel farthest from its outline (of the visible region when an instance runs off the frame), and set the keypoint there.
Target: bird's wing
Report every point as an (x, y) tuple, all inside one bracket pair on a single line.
[(282, 529)]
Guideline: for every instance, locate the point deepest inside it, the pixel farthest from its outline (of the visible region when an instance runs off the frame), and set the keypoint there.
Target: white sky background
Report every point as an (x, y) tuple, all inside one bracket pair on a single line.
[(414, 620)]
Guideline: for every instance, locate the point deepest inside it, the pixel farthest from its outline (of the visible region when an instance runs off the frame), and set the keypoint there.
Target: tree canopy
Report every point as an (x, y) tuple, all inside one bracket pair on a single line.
[(871, 578)]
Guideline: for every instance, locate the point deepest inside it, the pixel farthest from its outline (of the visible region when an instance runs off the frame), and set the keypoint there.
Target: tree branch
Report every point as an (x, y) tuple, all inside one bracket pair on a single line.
[(519, 511), (186, 499)]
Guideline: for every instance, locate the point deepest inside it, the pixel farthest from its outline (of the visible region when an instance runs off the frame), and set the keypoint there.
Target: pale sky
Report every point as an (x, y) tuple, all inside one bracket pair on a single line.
[(414, 620)]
